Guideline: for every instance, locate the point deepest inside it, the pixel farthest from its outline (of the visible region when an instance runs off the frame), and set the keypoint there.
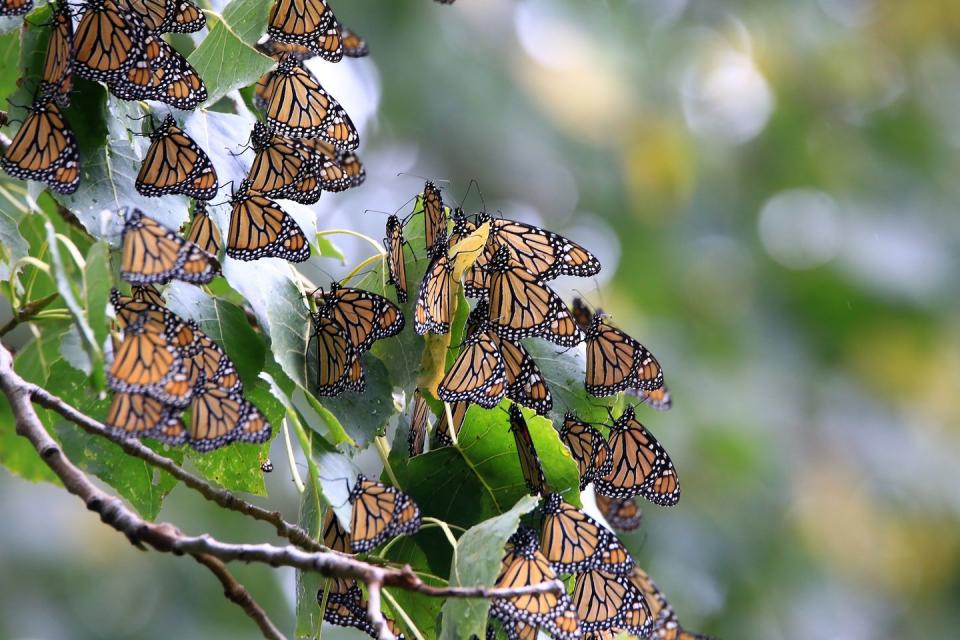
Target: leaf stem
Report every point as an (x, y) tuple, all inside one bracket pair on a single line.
[(446, 530), (349, 232), (363, 265), (383, 449), (403, 614), (292, 459), (30, 310)]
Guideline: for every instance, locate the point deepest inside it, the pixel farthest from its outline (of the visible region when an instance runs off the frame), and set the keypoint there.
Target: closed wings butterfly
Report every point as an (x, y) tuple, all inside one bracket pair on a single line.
[(259, 228), (432, 310), (588, 447), (165, 16), (309, 23), (665, 623), (204, 232), (154, 254), (108, 41), (396, 264), (605, 601), (379, 513), (57, 77), (176, 164), (366, 316), (44, 149), (641, 465), (573, 541), (530, 465)]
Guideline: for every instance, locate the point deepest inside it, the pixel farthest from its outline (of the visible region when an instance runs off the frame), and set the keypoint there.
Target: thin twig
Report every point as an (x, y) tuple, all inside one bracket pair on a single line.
[(238, 594), (28, 311), (222, 497)]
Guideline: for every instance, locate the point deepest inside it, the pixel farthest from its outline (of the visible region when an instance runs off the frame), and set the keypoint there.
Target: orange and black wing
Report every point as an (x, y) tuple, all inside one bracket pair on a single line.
[(615, 361), (543, 253), (379, 513), (530, 464), (176, 164), (353, 45), (588, 448), (521, 306), (419, 422), (298, 107), (396, 265), (219, 417), (309, 23), (335, 355), (154, 254), (366, 316), (432, 310), (259, 228), (15, 7), (641, 465), (204, 232), (478, 373), (44, 149), (458, 410), (108, 41), (623, 514), (434, 216), (525, 383), (57, 77), (604, 601), (573, 541)]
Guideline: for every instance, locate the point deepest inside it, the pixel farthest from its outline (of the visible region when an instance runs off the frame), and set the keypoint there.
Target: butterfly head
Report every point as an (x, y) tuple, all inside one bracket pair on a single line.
[(287, 64), (260, 136), (501, 259), (524, 542)]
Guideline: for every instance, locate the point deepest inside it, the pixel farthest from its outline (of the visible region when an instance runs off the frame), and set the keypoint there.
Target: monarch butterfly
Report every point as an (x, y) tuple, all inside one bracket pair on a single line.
[(615, 361), (44, 149), (259, 228), (604, 601), (525, 383), (152, 253), (367, 317), (432, 311), (573, 541), (175, 164), (396, 266), (162, 74), (343, 591), (109, 40), (434, 216), (164, 16), (149, 359), (208, 362), (336, 356), (418, 424), (641, 465), (478, 373), (665, 623), (141, 416), (219, 417), (57, 78), (279, 168), (353, 45), (523, 565), (588, 447), (622, 513), (521, 306), (543, 253), (298, 107), (276, 49), (379, 513), (204, 232), (530, 464), (346, 160), (15, 7), (310, 23), (458, 410)]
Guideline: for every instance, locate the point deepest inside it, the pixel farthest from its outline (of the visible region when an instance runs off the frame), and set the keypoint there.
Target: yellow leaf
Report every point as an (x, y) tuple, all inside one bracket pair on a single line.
[(466, 252)]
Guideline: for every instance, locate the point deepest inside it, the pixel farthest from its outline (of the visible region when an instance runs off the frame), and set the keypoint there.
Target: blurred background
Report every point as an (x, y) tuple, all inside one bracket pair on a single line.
[(772, 189)]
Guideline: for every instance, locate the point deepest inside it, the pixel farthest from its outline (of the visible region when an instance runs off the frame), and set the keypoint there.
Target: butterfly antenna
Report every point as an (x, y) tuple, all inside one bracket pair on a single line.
[(424, 178)]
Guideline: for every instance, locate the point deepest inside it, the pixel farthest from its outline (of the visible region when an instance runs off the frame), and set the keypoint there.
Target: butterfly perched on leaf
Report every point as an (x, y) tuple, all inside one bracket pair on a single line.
[(434, 297), (56, 79), (543, 253), (162, 74), (44, 148), (588, 448), (259, 228), (641, 466), (616, 362), (154, 254), (308, 23), (174, 163), (298, 107), (108, 41), (396, 265), (521, 306), (605, 601), (165, 16), (522, 565), (419, 422), (204, 232), (378, 514), (530, 465), (572, 541)]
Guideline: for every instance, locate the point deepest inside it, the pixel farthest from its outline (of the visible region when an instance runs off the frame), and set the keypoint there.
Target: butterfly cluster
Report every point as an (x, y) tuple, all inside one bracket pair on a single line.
[(163, 364), (610, 594), (378, 514)]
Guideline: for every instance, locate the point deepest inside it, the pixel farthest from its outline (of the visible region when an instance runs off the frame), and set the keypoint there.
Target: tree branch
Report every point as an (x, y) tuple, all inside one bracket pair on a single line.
[(222, 497), (238, 594), (165, 537)]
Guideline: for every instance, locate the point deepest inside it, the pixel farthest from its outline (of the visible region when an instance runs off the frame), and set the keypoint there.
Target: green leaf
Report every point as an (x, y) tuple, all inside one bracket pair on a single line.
[(17, 454), (327, 249), (64, 285), (225, 323), (235, 467), (12, 211), (141, 484), (247, 18), (225, 61), (363, 415), (484, 465), (9, 59), (96, 290), (476, 562)]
